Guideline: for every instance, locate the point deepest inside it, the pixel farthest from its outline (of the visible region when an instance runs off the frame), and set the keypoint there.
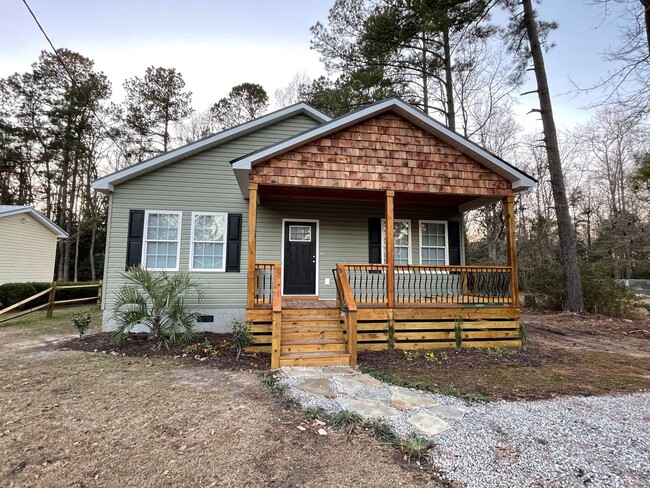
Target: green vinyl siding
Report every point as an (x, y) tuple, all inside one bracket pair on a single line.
[(204, 182)]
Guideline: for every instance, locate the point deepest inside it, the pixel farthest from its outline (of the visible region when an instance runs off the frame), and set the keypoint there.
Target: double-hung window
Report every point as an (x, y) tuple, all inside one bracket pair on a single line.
[(433, 243), (402, 241), (162, 240), (208, 248)]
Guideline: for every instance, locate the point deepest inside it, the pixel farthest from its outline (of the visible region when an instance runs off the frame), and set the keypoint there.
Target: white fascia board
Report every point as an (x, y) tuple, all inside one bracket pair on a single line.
[(40, 217), (107, 183), (242, 175), (519, 180)]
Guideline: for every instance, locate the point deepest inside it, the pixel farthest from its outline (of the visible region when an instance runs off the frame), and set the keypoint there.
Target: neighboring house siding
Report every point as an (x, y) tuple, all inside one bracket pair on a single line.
[(202, 183), (27, 250)]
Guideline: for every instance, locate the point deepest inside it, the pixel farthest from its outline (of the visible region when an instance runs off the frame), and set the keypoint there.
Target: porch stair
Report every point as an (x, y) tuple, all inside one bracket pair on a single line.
[(313, 337)]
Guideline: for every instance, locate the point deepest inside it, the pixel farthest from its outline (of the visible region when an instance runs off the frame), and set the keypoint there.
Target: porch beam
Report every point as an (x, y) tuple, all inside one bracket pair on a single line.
[(252, 244), (390, 248), (511, 247)]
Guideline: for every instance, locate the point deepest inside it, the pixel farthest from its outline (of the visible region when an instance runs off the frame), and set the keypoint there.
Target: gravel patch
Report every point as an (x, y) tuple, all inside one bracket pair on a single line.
[(564, 442)]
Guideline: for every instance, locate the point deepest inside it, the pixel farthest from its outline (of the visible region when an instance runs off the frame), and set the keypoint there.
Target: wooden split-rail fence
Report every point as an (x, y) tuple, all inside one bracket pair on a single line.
[(52, 301)]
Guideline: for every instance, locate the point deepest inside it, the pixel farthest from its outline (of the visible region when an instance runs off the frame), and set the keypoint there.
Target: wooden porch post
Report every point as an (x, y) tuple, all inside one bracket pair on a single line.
[(511, 247), (252, 244), (390, 248)]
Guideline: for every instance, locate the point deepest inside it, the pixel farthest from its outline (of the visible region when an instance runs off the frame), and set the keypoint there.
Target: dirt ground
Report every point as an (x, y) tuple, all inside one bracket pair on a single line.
[(78, 419), (567, 354)]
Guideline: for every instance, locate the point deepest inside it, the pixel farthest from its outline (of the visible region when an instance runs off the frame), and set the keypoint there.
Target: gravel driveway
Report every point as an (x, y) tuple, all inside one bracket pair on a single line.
[(564, 442)]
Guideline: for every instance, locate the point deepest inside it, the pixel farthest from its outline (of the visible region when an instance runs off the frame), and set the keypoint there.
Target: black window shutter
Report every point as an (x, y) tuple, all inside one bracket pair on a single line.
[(453, 228), (233, 243), (374, 241), (134, 239)]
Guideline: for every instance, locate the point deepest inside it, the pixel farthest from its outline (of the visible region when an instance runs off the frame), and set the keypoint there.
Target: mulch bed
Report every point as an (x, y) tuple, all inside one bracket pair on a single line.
[(461, 360), (217, 354)]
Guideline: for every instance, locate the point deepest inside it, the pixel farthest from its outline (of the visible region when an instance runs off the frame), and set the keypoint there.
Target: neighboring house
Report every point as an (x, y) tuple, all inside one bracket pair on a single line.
[(27, 245), (283, 221)]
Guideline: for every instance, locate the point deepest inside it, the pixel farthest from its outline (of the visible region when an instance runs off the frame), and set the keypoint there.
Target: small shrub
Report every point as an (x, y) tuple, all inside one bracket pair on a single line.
[(290, 403), (314, 413), (383, 432), (345, 420), (522, 335), (415, 448), (411, 356), (81, 321), (458, 332), (204, 349), (430, 357), (241, 337)]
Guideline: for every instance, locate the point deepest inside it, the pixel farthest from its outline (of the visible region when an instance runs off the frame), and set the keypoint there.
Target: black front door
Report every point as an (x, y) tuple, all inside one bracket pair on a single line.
[(300, 258)]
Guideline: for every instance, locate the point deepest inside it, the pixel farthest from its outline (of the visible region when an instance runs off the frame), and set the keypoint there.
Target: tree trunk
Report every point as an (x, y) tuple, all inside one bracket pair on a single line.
[(573, 300), (646, 17), (91, 252), (425, 75), (76, 255), (449, 82)]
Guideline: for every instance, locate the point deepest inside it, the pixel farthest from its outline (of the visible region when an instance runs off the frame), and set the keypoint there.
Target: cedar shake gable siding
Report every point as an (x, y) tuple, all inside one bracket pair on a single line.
[(386, 152)]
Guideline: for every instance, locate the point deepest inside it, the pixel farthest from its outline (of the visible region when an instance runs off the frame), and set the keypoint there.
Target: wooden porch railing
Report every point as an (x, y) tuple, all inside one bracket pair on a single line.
[(431, 284), (346, 301), (264, 282), (268, 290)]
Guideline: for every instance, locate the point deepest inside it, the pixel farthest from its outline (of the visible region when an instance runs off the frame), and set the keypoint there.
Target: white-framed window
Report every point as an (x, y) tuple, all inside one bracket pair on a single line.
[(434, 249), (402, 241), (162, 240), (208, 241)]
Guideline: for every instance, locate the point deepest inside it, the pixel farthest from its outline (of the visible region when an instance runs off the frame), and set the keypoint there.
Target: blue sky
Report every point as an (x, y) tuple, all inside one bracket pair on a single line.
[(218, 44)]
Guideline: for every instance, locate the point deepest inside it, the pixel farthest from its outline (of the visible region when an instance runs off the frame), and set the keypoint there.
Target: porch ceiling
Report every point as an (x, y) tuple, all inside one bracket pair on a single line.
[(463, 202)]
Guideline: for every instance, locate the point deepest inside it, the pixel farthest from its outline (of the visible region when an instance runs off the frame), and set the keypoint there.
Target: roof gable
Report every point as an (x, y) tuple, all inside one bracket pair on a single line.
[(9, 210), (518, 180), (385, 152), (107, 183)]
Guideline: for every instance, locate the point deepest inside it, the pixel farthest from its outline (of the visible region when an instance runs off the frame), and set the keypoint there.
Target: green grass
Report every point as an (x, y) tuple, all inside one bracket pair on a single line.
[(61, 321)]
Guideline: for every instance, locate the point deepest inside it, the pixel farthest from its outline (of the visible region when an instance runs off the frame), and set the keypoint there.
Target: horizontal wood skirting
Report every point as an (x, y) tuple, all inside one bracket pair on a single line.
[(386, 152), (414, 328)]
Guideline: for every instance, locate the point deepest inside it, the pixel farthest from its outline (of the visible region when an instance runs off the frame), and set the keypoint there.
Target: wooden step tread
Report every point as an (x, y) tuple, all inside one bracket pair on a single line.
[(316, 354), (291, 342)]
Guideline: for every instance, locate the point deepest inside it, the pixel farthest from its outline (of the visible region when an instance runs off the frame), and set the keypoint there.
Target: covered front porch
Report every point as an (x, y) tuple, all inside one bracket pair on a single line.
[(371, 221), (374, 306)]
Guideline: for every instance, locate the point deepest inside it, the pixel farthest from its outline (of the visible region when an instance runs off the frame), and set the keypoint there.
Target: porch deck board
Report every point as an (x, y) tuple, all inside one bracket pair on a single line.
[(314, 304)]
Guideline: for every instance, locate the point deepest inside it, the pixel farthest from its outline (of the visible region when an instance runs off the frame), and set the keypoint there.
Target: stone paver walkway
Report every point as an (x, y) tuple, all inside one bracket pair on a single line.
[(406, 410)]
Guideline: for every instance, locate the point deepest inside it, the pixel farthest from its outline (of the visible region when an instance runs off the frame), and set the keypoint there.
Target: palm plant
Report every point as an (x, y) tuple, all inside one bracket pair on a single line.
[(156, 301)]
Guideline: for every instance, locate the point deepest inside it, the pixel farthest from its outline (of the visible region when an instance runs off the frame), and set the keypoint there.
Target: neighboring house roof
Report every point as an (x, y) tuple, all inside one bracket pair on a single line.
[(520, 180), (107, 183), (8, 210)]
